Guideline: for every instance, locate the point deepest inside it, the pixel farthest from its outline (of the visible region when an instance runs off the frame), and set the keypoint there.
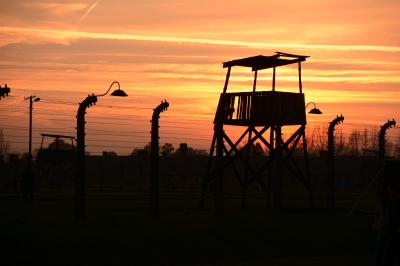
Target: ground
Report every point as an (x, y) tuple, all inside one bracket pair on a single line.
[(119, 231)]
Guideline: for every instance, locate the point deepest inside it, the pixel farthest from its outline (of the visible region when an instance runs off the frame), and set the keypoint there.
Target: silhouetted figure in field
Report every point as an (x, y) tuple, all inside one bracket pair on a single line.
[(392, 226), (27, 183)]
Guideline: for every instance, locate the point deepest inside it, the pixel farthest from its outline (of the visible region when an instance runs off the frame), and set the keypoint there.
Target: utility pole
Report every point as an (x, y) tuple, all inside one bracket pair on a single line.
[(32, 99)]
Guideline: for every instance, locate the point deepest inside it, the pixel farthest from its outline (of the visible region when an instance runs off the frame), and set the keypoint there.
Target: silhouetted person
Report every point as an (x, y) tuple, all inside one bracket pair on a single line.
[(391, 226), (27, 183)]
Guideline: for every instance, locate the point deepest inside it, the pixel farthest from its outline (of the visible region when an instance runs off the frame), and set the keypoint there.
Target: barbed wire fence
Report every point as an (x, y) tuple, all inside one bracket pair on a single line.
[(123, 129), (109, 131)]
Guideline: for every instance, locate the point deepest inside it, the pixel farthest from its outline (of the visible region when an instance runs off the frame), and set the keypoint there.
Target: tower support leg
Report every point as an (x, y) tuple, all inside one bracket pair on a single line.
[(246, 171), (278, 170), (209, 174), (219, 184), (308, 173)]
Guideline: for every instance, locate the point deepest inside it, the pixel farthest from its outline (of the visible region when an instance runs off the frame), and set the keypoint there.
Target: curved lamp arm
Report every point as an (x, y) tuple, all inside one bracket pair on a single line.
[(309, 104), (114, 82)]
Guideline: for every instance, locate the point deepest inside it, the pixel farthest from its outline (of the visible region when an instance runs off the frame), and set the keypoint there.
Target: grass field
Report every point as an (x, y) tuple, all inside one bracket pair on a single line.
[(119, 231)]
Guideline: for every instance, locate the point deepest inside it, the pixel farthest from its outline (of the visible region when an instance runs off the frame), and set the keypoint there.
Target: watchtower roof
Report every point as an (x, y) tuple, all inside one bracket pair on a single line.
[(260, 62), (58, 136)]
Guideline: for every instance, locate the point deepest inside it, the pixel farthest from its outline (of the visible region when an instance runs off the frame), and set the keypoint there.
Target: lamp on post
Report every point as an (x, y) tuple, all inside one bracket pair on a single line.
[(80, 180), (315, 110)]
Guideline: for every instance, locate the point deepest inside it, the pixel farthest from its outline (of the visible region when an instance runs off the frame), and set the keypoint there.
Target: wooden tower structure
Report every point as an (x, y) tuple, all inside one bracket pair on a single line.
[(262, 115)]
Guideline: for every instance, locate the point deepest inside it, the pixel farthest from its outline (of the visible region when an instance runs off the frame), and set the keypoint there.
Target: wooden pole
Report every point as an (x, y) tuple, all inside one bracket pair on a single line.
[(278, 170), (273, 79), (307, 166), (300, 83), (227, 79), (255, 81), (219, 184)]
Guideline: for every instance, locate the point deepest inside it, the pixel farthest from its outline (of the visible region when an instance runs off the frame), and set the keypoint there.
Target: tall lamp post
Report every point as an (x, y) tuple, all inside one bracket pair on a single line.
[(80, 180), (32, 99), (313, 111)]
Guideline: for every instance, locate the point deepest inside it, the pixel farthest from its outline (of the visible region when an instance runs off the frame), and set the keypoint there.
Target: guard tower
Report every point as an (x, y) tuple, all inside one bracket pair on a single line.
[(262, 115)]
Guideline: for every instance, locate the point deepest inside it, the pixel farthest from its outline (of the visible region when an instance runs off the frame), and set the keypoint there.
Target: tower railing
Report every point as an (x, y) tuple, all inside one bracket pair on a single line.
[(261, 108)]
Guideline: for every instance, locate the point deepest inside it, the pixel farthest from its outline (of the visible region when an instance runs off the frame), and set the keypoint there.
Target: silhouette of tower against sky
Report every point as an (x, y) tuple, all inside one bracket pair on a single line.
[(262, 116)]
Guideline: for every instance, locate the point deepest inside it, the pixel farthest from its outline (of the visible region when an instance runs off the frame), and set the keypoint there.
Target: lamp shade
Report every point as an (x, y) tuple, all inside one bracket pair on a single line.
[(315, 111), (119, 92)]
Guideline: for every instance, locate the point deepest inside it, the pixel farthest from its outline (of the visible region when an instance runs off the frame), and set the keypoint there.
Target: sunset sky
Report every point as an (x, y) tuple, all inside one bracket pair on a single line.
[(61, 51)]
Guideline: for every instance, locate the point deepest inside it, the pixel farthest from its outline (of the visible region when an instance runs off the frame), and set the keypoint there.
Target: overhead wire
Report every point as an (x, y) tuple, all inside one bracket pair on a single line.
[(147, 108), (164, 122)]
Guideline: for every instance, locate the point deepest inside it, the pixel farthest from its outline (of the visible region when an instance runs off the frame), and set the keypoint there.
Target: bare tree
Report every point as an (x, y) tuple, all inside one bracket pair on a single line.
[(373, 139), (390, 148), (340, 144), (60, 144), (318, 139), (354, 142), (167, 149), (364, 141), (145, 151)]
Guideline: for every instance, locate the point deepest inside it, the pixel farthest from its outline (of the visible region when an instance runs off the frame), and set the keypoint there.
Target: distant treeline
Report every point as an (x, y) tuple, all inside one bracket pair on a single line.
[(357, 142)]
